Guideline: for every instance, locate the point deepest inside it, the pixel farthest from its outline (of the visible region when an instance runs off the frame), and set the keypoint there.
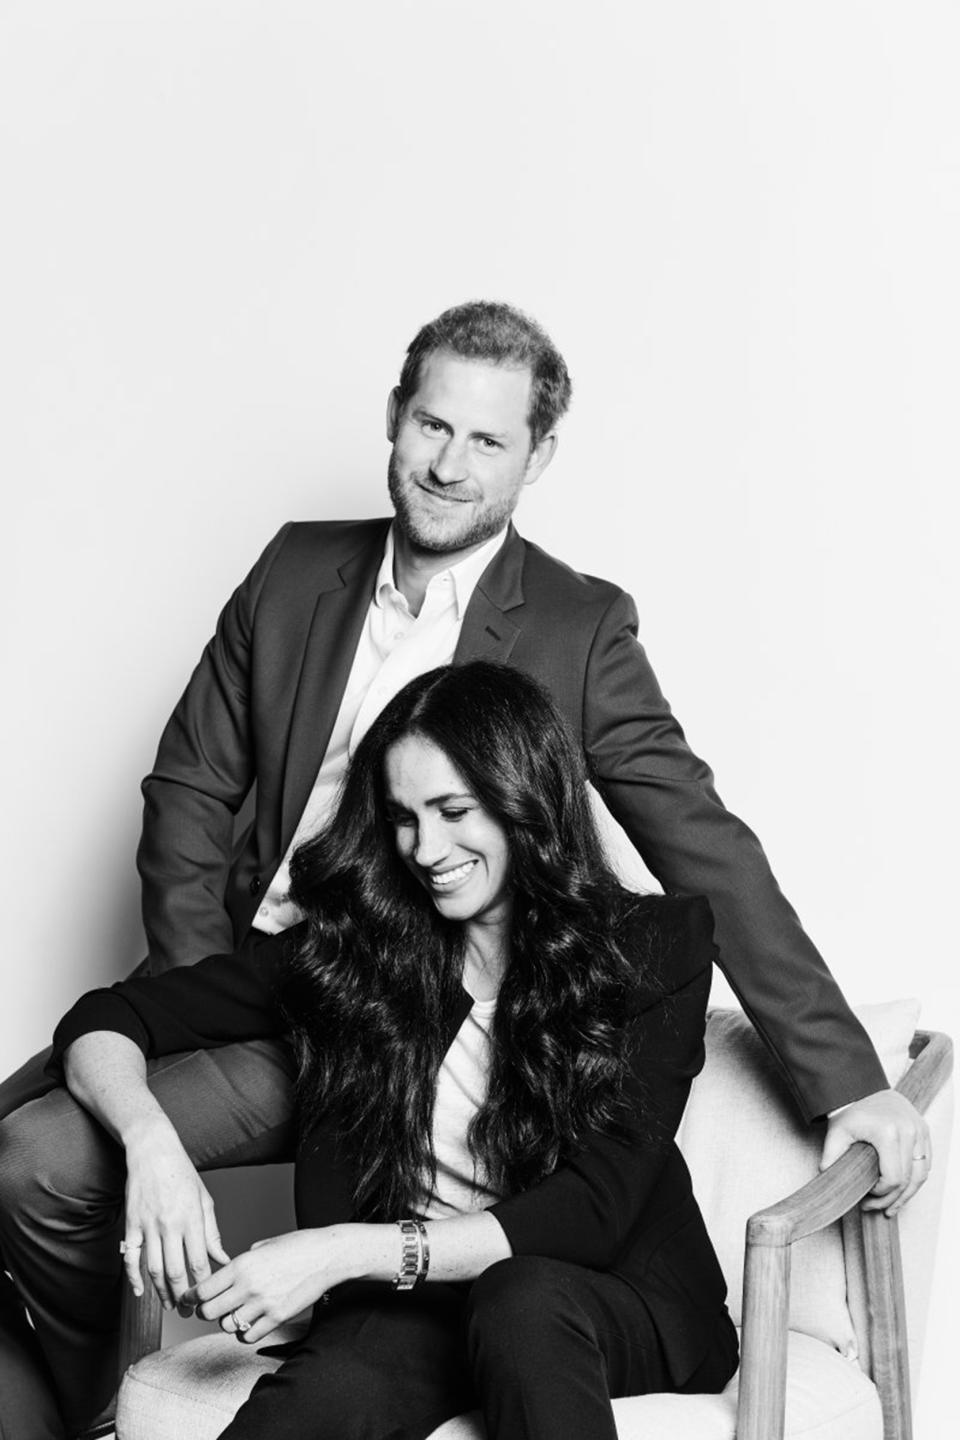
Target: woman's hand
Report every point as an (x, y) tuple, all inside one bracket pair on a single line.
[(274, 1280), (170, 1218)]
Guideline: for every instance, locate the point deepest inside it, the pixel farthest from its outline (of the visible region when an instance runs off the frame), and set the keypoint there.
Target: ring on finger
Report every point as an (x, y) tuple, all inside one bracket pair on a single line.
[(130, 1247), (242, 1325)]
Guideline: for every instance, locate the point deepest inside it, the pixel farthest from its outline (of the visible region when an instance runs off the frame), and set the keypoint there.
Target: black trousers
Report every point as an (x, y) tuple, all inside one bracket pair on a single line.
[(539, 1346)]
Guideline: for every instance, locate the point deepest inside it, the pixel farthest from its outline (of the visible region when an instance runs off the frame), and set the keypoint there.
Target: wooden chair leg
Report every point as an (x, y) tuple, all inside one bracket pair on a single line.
[(763, 1361), (888, 1322)]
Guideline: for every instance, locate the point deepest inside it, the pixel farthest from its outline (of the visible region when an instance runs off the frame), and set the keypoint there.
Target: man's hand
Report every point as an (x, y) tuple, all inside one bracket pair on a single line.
[(170, 1219), (900, 1136)]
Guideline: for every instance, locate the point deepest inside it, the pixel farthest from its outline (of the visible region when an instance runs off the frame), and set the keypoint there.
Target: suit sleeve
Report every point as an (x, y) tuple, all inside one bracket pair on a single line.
[(219, 1001), (204, 768), (664, 797), (584, 1212)]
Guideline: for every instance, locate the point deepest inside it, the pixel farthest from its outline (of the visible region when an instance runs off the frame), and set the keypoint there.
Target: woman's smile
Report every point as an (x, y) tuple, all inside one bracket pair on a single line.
[(445, 879), (455, 848)]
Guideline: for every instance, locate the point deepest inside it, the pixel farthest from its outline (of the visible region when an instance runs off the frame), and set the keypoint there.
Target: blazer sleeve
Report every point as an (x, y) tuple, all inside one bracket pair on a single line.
[(584, 1211), (664, 797), (218, 1001), (203, 771)]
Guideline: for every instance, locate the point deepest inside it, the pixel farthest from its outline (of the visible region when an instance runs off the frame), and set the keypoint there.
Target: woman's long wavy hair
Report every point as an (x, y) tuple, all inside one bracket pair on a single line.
[(370, 992)]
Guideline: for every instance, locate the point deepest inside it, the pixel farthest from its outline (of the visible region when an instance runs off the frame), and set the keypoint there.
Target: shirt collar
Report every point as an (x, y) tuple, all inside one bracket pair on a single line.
[(464, 575)]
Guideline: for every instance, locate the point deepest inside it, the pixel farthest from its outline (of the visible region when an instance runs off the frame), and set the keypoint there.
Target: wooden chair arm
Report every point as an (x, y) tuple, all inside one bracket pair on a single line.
[(831, 1194), (766, 1278)]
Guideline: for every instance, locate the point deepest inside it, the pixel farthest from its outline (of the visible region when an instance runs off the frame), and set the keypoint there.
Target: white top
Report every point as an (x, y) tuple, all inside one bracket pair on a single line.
[(461, 1090), (394, 646)]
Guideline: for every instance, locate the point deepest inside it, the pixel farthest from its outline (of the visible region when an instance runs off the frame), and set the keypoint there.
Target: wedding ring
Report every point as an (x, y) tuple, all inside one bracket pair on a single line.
[(919, 1157), (128, 1246), (242, 1325)]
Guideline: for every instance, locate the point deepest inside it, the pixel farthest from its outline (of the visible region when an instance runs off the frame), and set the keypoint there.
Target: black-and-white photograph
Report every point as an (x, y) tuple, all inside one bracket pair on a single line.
[(478, 628)]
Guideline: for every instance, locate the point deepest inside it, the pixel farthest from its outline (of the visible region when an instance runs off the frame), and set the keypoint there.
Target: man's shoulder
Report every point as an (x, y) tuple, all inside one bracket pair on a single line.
[(306, 549), (336, 540), (545, 574), (309, 556)]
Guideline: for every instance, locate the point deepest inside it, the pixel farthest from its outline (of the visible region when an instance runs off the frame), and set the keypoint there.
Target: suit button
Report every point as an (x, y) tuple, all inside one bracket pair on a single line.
[(256, 884)]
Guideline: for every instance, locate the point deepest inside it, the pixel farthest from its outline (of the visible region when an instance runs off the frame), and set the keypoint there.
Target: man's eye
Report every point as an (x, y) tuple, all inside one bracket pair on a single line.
[(487, 444), (433, 427)]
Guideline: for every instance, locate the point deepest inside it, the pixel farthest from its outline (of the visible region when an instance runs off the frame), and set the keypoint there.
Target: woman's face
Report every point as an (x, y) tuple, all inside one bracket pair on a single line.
[(455, 848)]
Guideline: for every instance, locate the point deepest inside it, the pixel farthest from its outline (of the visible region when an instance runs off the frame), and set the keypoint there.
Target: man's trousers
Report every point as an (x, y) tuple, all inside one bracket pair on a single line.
[(62, 1184)]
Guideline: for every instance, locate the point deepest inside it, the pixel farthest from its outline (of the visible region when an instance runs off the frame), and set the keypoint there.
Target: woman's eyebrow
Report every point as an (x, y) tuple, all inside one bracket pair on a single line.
[(436, 801)]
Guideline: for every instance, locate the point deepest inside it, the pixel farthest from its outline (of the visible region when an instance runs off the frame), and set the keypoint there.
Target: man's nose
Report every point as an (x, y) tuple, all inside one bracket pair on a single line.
[(450, 464)]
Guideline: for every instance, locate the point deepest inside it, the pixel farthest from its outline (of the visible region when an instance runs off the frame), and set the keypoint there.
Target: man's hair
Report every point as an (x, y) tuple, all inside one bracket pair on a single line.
[(502, 335)]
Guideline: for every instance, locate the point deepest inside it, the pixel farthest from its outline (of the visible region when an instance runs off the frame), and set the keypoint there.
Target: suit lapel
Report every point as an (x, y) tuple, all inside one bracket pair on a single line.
[(345, 591), (341, 608), (488, 632)]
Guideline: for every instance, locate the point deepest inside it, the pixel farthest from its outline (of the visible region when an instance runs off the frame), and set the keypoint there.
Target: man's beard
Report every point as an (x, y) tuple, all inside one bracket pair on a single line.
[(434, 533)]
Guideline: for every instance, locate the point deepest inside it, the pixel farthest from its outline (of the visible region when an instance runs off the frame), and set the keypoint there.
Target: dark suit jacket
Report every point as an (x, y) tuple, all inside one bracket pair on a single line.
[(623, 1205), (262, 702)]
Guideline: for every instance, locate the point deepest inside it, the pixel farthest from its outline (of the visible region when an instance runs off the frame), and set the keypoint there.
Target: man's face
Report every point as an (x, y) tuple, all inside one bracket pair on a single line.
[(461, 452)]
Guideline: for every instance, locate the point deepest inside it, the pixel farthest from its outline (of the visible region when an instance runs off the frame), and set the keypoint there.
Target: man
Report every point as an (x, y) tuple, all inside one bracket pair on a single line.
[(332, 620)]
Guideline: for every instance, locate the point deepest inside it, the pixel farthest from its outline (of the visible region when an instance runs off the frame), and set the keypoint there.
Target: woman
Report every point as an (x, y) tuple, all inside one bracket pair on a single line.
[(495, 1045)]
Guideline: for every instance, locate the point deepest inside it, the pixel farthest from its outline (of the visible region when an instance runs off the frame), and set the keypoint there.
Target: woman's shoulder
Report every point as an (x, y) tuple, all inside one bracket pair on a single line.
[(671, 937)]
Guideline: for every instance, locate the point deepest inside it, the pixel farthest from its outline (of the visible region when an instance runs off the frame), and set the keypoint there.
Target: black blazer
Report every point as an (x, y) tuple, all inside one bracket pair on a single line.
[(261, 705), (619, 1205)]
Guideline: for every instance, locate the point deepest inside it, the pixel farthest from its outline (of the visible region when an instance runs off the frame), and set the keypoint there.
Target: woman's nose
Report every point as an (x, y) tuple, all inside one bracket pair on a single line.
[(432, 844)]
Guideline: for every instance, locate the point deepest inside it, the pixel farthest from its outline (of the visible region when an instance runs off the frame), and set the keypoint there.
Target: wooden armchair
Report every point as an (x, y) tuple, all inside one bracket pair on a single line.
[(771, 1234), (825, 1321)]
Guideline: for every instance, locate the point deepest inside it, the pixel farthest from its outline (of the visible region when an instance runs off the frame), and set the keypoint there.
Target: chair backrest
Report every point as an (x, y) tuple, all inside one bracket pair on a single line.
[(747, 1148)]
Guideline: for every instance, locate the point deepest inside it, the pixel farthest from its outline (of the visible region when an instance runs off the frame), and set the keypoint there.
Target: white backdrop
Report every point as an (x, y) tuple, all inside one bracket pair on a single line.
[(222, 222)]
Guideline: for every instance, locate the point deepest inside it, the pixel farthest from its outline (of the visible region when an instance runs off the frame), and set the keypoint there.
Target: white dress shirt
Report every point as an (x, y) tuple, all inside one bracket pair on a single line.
[(394, 646)]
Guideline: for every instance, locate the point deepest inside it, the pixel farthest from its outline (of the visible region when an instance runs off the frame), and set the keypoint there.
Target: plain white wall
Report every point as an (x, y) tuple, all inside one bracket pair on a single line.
[(224, 221)]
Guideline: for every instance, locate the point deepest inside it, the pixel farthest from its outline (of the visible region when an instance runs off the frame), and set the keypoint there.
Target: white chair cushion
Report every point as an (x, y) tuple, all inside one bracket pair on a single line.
[(828, 1398), (747, 1148), (191, 1391)]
